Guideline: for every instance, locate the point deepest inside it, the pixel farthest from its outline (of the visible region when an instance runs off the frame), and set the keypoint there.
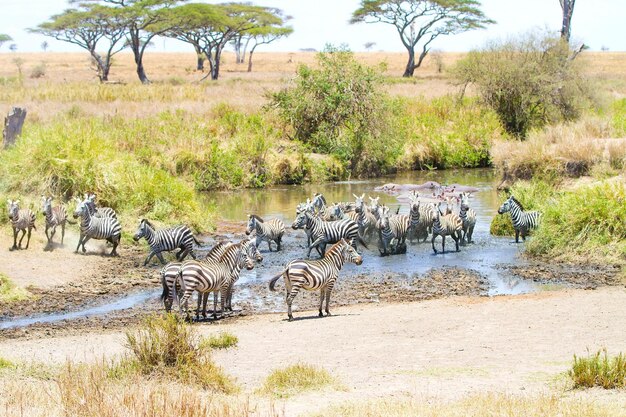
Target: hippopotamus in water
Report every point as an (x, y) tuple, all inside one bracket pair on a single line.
[(398, 188)]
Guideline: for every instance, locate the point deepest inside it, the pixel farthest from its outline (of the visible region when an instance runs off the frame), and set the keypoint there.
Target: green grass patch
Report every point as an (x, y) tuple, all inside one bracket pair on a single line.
[(296, 379), (223, 340), (6, 364), (9, 292), (599, 370), (167, 347)]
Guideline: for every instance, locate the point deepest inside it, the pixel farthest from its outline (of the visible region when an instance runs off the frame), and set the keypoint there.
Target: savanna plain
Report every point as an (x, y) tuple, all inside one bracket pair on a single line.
[(164, 151)]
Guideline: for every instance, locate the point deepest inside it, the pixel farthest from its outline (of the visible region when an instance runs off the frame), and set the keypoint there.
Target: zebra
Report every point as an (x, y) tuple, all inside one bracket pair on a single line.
[(166, 240), (468, 217), (414, 215), (444, 225), (374, 206), (323, 232), (108, 228), (427, 218), (523, 221), (21, 220), (98, 211), (55, 216), (170, 271), (213, 277), (319, 274), (268, 231), (364, 218), (390, 229)]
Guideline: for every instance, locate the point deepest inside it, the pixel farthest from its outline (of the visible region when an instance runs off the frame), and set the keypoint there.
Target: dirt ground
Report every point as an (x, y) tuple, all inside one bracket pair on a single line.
[(445, 348)]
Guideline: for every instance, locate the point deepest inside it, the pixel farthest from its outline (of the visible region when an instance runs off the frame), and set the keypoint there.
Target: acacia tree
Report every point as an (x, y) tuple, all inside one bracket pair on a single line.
[(209, 27), (142, 20), (422, 21), (567, 6), (87, 27), (4, 38)]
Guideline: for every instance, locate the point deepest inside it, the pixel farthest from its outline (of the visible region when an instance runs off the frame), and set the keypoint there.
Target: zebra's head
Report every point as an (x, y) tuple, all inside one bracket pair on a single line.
[(141, 230), (358, 202), (318, 201), (465, 200), (414, 202), (251, 223), (374, 205), (82, 207), (300, 221), (46, 204), (243, 259), (252, 251), (14, 208), (336, 211), (383, 217), (506, 206), (349, 253)]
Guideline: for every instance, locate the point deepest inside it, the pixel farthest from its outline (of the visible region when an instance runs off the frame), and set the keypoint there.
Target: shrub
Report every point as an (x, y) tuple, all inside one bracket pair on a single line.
[(337, 109), (6, 364), (529, 81), (295, 379), (222, 341), (167, 346), (9, 292), (38, 71), (599, 370)]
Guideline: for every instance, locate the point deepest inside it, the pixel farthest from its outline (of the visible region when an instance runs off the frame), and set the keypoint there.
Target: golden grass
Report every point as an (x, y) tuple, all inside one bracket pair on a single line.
[(295, 379), (478, 406), (224, 340)]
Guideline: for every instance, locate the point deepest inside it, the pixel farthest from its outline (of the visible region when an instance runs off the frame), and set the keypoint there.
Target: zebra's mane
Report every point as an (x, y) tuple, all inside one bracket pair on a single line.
[(146, 221), (336, 245), (321, 197), (233, 247), (257, 218), (218, 246), (516, 201)]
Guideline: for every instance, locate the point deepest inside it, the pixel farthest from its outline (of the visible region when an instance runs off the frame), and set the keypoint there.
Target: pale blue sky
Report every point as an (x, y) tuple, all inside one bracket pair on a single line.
[(598, 23)]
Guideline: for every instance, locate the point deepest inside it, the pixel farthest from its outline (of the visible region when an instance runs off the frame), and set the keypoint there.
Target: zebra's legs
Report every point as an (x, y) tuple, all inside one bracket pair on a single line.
[(160, 256), (329, 289), (322, 293), (85, 239), (269, 244), (456, 238), (278, 241), (47, 236), (15, 231), (62, 232), (443, 244), (516, 235), (150, 255), (433, 243), (52, 233), (19, 245), (290, 296), (115, 242)]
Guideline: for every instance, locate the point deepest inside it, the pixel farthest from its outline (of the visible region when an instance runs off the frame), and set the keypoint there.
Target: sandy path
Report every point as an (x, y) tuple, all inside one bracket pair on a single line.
[(445, 348)]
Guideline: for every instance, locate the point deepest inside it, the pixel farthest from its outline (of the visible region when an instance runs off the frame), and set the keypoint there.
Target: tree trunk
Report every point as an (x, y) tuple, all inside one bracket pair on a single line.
[(568, 11), (13, 126), (250, 60), (410, 65), (200, 65), (141, 73), (421, 58)]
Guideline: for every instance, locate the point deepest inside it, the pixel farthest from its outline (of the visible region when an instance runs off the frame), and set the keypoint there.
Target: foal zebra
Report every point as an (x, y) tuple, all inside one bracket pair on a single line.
[(212, 277), (21, 220), (92, 227), (523, 221), (323, 232), (268, 231), (468, 217), (444, 225), (55, 216), (166, 240), (314, 275)]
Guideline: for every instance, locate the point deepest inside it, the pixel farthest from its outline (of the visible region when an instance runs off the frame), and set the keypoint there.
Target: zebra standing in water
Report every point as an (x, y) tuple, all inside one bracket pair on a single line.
[(392, 229), (55, 216), (92, 227), (364, 218), (166, 240), (427, 218), (414, 215), (98, 211), (320, 274), (323, 232), (213, 277), (468, 217), (268, 231), (21, 220), (523, 221), (444, 225)]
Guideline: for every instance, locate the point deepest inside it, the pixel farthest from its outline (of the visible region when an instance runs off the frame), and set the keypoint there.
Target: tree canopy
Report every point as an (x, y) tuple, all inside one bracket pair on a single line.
[(4, 38), (420, 22)]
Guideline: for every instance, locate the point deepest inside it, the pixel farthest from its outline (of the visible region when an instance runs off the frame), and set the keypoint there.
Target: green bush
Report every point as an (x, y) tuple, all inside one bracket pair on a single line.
[(9, 292), (223, 340), (295, 379), (529, 81), (599, 370)]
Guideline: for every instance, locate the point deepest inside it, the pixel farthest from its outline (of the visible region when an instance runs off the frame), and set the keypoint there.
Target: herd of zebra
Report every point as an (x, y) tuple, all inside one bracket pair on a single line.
[(341, 225)]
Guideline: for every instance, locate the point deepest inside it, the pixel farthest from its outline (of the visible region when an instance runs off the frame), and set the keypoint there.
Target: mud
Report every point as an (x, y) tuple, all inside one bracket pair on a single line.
[(573, 275)]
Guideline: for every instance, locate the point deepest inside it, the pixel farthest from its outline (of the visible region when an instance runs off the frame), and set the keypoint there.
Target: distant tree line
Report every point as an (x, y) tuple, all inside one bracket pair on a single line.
[(105, 27)]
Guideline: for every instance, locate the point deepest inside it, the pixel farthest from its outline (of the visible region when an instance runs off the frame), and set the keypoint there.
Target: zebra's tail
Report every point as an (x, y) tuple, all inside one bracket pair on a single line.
[(273, 280)]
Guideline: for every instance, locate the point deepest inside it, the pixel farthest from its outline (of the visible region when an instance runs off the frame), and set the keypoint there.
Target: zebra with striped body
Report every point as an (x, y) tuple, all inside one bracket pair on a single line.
[(98, 211), (414, 215), (523, 221), (468, 217), (323, 232), (427, 218), (374, 207), (55, 216), (268, 231), (446, 225), (21, 220), (169, 273), (92, 227), (213, 277), (315, 275), (166, 240), (364, 218), (392, 232)]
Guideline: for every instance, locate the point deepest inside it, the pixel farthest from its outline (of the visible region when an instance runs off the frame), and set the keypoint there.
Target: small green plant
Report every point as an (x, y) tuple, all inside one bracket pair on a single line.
[(501, 225), (167, 346), (5, 363), (9, 292), (295, 379), (223, 340), (599, 370)]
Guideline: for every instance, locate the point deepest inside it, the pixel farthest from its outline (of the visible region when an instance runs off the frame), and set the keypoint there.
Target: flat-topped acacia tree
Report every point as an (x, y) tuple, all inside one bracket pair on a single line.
[(422, 21)]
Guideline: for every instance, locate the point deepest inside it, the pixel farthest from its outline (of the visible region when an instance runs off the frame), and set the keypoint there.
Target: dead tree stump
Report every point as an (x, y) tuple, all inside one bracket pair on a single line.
[(13, 126)]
